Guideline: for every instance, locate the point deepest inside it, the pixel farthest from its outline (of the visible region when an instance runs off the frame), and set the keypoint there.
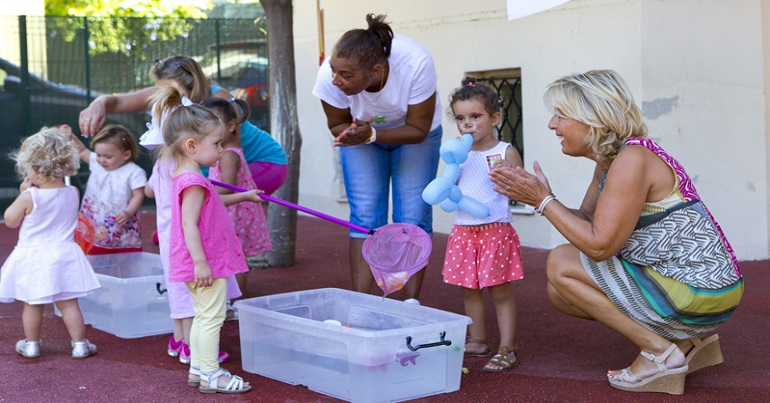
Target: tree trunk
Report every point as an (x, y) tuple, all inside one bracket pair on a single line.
[(284, 127)]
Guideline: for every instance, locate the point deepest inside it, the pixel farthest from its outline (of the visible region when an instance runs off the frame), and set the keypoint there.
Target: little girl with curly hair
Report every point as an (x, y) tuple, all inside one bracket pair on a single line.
[(47, 266)]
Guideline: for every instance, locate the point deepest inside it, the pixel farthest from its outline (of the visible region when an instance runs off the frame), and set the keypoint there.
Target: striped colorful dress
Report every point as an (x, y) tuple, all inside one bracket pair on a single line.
[(676, 275)]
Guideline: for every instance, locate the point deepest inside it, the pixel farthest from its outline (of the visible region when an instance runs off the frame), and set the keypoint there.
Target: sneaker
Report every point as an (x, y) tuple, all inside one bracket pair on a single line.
[(223, 357), (412, 301), (184, 354), (174, 347), (28, 349), (82, 349)]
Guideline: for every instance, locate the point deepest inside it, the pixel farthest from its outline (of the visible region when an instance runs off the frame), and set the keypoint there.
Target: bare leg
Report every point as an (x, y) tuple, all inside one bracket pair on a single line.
[(186, 326), (32, 321), (573, 286), (505, 309), (73, 319), (414, 285), (178, 330), (360, 273), (477, 331)]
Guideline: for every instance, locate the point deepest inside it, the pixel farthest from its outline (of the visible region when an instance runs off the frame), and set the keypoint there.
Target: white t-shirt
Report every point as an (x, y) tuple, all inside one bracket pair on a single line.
[(114, 188), (411, 80)]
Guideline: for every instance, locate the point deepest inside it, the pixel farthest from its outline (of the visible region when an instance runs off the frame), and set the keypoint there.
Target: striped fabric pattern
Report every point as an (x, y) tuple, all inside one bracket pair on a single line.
[(676, 275)]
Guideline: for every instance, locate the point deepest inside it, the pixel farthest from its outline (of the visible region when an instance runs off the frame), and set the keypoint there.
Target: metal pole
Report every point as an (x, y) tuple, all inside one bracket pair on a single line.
[(26, 109), (219, 54), (87, 58)]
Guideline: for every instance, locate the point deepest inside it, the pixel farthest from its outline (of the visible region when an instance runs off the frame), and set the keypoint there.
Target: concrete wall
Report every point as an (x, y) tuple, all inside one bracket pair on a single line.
[(696, 66)]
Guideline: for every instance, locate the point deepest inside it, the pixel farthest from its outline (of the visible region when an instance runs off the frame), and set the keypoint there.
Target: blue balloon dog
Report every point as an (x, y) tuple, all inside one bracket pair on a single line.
[(443, 189)]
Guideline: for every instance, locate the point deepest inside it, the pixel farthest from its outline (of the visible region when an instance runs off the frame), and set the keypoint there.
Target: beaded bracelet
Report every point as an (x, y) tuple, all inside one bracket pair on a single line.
[(541, 210)]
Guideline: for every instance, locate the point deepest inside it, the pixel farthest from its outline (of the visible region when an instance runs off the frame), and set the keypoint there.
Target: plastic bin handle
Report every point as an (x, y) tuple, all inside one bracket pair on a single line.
[(442, 342)]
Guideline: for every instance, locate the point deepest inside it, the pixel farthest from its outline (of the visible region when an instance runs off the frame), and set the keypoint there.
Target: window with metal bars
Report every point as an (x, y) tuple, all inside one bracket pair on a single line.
[(507, 83)]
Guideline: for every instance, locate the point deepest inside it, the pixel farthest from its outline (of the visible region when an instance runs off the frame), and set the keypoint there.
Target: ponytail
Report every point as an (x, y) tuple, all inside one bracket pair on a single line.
[(369, 46)]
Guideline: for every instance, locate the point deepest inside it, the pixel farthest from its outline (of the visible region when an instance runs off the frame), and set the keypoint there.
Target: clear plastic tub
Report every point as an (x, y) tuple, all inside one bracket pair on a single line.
[(352, 346), (132, 301)]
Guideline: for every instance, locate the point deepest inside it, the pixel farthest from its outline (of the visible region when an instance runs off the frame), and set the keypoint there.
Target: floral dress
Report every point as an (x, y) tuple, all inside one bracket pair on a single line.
[(107, 194)]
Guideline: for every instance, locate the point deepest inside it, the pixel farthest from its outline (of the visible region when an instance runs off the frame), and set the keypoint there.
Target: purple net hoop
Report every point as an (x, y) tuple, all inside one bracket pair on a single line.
[(395, 252)]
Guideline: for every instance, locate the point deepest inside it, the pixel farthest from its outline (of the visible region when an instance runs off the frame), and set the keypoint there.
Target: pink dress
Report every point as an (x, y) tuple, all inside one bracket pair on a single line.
[(248, 218), (220, 244)]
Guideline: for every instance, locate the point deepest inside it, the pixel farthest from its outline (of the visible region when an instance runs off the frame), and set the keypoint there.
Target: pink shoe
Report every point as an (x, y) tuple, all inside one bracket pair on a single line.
[(174, 347), (223, 357), (184, 354)]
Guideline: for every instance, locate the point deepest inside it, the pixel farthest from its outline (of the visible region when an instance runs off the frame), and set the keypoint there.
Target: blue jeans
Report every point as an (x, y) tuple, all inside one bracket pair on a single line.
[(369, 170)]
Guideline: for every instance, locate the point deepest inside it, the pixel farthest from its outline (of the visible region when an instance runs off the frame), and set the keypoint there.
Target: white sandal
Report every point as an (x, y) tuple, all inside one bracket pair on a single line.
[(667, 380), (194, 371), (82, 349), (28, 349), (236, 384)]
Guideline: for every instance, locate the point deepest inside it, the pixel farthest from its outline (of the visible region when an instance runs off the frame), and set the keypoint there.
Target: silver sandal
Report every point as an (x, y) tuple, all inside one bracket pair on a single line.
[(28, 349), (82, 349)]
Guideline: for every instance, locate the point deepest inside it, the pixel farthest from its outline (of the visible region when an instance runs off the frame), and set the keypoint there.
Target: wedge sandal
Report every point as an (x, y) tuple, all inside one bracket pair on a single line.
[(705, 353), (666, 380)]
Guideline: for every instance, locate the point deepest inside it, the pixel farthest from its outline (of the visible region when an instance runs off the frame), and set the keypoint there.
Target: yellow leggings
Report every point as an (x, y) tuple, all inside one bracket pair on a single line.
[(209, 305)]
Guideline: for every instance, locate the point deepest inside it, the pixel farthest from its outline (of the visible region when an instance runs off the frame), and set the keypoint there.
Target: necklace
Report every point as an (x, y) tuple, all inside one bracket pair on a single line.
[(382, 76)]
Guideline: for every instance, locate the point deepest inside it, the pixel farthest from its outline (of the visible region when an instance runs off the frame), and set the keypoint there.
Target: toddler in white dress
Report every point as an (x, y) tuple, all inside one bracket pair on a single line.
[(47, 266), (115, 189)]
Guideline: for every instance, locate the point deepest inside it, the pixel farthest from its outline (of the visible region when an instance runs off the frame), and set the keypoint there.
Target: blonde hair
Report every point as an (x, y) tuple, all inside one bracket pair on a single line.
[(187, 73), (48, 153), (182, 122), (601, 100), (120, 137)]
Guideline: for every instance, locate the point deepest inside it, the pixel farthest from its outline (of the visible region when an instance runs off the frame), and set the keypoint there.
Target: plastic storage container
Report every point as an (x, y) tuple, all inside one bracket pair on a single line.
[(352, 346), (132, 301)]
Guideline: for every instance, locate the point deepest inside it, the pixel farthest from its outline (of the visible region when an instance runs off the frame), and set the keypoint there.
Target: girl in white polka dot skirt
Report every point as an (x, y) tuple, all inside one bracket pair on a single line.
[(484, 252)]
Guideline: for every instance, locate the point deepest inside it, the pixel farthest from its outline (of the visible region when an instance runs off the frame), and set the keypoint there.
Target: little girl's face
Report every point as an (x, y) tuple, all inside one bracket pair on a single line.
[(209, 148), (109, 156), (471, 117)]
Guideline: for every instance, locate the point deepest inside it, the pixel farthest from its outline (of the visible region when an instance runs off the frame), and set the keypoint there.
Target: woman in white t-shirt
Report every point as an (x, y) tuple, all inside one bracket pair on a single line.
[(379, 95)]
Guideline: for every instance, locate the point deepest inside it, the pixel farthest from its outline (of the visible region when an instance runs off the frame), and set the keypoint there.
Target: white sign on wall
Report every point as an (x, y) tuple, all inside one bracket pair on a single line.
[(523, 8)]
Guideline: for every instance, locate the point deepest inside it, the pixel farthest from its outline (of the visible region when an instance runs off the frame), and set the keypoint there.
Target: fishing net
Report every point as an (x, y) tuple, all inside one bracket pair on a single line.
[(395, 252)]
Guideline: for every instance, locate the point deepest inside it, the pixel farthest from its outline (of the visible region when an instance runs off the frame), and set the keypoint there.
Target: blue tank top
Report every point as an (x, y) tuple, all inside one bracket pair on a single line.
[(257, 144)]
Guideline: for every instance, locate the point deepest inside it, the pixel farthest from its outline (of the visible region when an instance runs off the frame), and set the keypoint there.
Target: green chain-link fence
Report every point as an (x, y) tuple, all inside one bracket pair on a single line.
[(52, 67)]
